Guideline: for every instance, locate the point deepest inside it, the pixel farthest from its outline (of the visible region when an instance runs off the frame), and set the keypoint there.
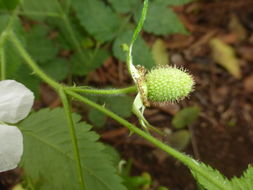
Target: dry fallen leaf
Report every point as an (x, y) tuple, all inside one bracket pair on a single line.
[(18, 187), (224, 55), (237, 28), (248, 83)]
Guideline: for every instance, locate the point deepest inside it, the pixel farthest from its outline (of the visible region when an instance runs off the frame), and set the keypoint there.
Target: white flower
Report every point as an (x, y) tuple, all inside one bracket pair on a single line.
[(15, 104), (11, 150)]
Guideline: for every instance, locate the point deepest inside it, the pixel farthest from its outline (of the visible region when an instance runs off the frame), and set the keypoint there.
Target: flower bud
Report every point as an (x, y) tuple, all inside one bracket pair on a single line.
[(168, 84)]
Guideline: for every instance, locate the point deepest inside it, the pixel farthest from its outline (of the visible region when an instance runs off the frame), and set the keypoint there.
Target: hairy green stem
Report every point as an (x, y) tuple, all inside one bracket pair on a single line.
[(3, 37), (73, 136), (3, 63), (140, 23), (135, 35), (188, 161), (32, 63), (89, 90)]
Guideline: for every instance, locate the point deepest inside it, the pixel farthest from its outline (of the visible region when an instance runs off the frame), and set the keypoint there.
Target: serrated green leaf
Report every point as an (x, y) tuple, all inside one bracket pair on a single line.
[(173, 2), (215, 180), (124, 6), (39, 10), (160, 54), (245, 182), (57, 68), (48, 158), (97, 118), (161, 20), (40, 47), (8, 4), (88, 61), (113, 153), (248, 173), (97, 18), (185, 117), (141, 52)]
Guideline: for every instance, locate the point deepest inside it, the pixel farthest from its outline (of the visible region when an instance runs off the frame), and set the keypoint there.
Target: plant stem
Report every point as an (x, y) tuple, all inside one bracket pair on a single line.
[(3, 38), (140, 23), (32, 63), (89, 90), (135, 35), (130, 126), (3, 63), (188, 161), (73, 136)]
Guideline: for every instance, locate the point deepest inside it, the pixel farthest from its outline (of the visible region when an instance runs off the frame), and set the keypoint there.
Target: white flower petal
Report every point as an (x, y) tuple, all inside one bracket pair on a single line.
[(11, 147), (15, 101)]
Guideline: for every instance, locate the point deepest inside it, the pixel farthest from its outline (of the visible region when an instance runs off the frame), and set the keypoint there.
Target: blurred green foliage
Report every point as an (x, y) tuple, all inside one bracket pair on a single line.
[(90, 30)]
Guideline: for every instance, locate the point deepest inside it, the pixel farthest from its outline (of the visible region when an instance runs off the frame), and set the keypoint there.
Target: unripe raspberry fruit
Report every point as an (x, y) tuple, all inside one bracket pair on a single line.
[(168, 84)]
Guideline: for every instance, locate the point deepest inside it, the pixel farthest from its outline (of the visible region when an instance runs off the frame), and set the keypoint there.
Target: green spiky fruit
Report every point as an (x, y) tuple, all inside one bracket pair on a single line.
[(168, 84)]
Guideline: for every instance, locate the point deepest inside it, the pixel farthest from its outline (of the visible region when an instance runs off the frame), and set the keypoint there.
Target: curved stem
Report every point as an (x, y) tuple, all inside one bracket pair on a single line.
[(89, 90), (188, 161), (140, 23), (32, 63), (3, 63), (73, 136), (135, 35), (130, 126), (3, 38)]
